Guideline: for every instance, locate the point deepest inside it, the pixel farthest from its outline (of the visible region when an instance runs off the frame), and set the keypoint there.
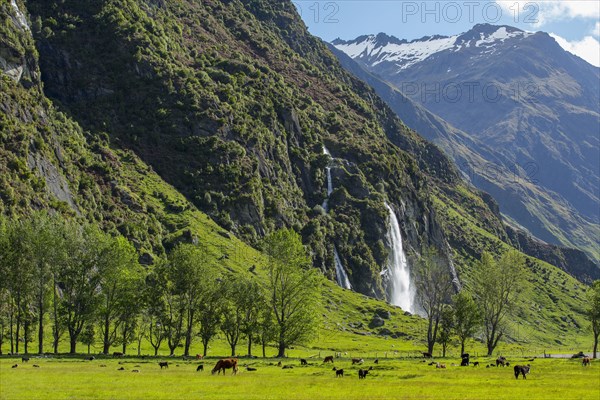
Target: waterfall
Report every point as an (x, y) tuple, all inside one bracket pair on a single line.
[(402, 292), (340, 273)]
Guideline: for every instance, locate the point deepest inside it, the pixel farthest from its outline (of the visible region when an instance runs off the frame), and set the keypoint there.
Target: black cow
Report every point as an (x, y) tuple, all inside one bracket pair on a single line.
[(25, 359), (200, 368), (303, 362), (163, 364), (501, 361), (339, 373), (522, 369), (465, 360), (362, 373)]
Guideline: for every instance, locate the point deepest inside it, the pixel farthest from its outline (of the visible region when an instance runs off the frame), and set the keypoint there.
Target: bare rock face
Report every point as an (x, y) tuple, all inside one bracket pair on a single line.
[(56, 184)]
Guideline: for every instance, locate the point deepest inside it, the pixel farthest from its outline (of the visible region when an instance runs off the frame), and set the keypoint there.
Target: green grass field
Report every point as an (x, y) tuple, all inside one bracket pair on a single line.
[(73, 378)]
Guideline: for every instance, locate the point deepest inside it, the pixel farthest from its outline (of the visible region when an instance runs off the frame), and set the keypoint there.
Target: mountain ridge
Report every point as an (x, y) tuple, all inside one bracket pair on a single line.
[(540, 126)]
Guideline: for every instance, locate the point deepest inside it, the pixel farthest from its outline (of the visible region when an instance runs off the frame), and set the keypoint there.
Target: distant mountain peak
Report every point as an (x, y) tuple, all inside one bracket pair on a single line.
[(386, 49)]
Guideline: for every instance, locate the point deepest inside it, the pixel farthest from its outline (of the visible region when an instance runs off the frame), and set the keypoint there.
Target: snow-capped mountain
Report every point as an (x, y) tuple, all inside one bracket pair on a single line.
[(383, 49), (530, 108)]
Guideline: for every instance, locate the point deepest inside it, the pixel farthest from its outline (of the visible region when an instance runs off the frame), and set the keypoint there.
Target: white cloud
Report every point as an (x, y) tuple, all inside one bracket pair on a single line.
[(596, 30), (539, 13), (587, 48)]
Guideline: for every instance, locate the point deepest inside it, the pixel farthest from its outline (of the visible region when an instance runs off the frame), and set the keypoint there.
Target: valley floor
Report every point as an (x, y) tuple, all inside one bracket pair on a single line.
[(75, 378)]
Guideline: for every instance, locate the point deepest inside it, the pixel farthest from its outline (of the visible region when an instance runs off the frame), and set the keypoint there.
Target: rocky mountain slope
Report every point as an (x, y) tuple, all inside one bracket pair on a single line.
[(466, 151), (228, 105), (530, 112)]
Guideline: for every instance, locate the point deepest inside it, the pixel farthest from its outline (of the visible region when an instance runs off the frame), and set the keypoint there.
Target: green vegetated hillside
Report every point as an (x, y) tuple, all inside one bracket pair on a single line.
[(170, 107)]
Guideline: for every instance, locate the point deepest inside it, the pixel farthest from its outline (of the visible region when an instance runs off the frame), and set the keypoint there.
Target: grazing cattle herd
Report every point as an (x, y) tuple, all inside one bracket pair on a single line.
[(232, 363)]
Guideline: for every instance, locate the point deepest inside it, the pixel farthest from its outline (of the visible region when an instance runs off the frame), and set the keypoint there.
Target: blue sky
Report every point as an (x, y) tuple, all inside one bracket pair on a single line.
[(574, 24)]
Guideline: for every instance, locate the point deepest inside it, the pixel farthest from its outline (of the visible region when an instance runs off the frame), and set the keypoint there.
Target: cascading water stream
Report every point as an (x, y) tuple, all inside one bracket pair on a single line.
[(340, 273), (401, 290)]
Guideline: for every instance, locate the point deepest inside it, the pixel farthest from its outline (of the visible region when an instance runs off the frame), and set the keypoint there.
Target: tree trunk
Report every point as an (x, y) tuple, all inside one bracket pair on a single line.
[(462, 347), (55, 333), (595, 346), (55, 341), (444, 350), (18, 330), (281, 351), (73, 344), (1, 336), (188, 342), (41, 327), (89, 348), (26, 337), (232, 350), (264, 349), (490, 349), (12, 336), (106, 334), (205, 347), (155, 351), (249, 346)]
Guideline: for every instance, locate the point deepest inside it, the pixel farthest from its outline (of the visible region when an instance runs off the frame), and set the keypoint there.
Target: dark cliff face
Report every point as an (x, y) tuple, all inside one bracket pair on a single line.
[(573, 261)]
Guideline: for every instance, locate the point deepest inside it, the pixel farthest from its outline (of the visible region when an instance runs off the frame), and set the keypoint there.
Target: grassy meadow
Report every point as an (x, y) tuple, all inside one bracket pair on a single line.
[(74, 378)]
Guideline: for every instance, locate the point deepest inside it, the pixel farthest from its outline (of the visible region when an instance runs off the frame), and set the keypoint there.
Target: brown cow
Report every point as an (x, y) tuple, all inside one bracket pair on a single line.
[(357, 361), (585, 361), (328, 359), (501, 361), (226, 363), (438, 365)]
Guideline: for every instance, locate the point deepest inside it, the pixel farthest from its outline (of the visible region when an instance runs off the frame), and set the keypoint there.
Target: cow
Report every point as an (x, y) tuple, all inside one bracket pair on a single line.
[(251, 369), (362, 373), (376, 361), (521, 369), (476, 364), (200, 368), (226, 363), (427, 355), (442, 366), (303, 362), (501, 361), (25, 359), (339, 373), (357, 361), (35, 366), (163, 364), (199, 356), (328, 359), (15, 366), (117, 354), (121, 369), (135, 370), (465, 360), (288, 367), (90, 358), (585, 361)]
